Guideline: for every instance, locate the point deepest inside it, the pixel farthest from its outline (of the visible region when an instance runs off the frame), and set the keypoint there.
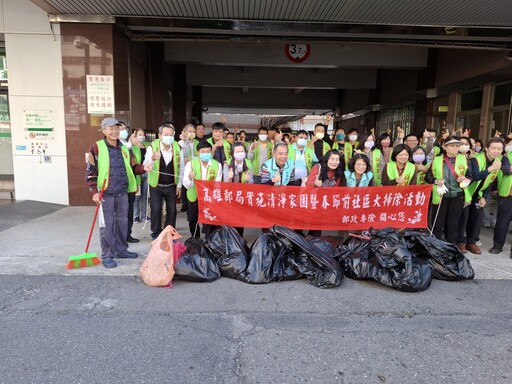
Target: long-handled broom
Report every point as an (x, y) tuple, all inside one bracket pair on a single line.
[(87, 259)]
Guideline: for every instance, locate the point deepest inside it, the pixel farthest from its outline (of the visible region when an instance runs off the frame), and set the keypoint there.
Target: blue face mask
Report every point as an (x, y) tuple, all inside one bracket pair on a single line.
[(340, 136), (123, 135), (205, 156)]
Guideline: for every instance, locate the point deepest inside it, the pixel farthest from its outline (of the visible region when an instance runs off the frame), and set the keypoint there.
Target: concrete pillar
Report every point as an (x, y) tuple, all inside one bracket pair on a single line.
[(485, 128)]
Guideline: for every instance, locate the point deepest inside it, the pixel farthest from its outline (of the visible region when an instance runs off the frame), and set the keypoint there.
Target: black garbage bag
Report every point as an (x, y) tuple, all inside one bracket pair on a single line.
[(230, 250), (196, 264), (259, 268), (321, 270), (447, 262), (400, 268), (361, 265), (324, 246), (350, 246)]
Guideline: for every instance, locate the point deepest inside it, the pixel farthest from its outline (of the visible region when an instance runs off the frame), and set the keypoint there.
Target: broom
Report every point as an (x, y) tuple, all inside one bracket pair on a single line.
[(87, 259)]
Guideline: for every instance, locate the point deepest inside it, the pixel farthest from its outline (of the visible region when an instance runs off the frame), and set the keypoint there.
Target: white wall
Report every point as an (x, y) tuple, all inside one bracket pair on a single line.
[(35, 83)]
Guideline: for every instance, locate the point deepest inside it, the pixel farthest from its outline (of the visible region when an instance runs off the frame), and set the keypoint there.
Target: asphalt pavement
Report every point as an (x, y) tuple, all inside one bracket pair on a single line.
[(94, 325)]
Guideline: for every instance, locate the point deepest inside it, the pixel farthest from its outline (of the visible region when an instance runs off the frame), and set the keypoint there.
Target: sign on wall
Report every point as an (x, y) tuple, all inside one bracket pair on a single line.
[(38, 124), (297, 53), (100, 94)]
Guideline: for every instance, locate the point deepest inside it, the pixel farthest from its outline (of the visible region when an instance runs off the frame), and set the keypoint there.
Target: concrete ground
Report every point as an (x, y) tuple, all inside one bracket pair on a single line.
[(94, 325), (38, 239)]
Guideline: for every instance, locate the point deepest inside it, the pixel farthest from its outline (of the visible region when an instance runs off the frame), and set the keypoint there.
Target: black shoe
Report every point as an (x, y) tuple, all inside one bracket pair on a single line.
[(494, 250), (126, 254), (109, 262), (132, 240)]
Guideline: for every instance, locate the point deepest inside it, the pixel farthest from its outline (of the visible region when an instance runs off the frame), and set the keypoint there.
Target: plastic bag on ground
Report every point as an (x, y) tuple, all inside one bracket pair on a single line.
[(196, 264), (401, 269), (321, 270), (447, 262), (230, 250), (157, 270)]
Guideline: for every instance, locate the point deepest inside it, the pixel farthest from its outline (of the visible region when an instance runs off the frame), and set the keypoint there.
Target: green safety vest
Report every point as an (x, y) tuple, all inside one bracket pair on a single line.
[(376, 170), (103, 166), (154, 175), (505, 181), (137, 154), (348, 150), (225, 145), (482, 162), (408, 173), (211, 172), (256, 167), (461, 164), (308, 155), (420, 176)]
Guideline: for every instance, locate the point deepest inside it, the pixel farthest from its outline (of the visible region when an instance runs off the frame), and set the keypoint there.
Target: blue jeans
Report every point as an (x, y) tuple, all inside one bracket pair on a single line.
[(140, 205)]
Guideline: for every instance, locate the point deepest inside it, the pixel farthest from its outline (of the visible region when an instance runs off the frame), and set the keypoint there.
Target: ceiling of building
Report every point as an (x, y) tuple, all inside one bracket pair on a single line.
[(463, 13), (395, 24)]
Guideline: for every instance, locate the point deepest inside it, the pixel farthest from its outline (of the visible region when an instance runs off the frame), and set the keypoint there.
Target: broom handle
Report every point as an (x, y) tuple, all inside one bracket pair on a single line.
[(95, 216)]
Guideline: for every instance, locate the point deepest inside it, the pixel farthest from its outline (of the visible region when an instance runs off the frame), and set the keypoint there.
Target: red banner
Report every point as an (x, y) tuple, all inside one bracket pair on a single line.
[(262, 206)]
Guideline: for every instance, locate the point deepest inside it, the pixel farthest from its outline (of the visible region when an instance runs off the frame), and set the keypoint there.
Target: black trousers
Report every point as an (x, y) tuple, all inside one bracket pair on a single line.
[(463, 223), (448, 218), (502, 221), (475, 220), (158, 195), (192, 217), (131, 203)]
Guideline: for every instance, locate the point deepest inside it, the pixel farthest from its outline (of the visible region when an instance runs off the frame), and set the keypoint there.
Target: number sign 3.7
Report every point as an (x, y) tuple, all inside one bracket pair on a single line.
[(297, 53)]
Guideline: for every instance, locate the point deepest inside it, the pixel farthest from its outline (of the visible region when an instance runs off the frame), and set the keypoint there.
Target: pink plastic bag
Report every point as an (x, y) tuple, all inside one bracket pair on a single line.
[(178, 250), (158, 268)]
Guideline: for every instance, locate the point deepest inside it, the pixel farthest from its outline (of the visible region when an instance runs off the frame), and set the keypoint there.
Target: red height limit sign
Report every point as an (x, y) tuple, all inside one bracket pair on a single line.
[(297, 53)]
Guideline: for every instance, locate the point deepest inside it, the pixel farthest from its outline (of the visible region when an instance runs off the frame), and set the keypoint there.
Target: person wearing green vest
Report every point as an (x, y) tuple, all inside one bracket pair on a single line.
[(451, 170), (112, 169), (419, 159), (399, 171), (504, 214), (341, 146), (484, 169), (242, 136), (164, 163), (464, 150), (220, 146), (259, 152), (320, 142), (303, 156), (188, 145), (353, 137), (203, 167), (238, 170), (141, 198), (278, 170), (126, 139)]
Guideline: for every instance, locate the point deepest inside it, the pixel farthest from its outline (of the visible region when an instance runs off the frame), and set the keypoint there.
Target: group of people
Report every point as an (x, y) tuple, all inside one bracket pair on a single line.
[(462, 171)]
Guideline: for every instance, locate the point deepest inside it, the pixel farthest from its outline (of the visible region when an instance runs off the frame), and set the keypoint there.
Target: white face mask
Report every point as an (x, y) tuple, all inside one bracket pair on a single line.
[(369, 144), (239, 156), (464, 149), (141, 138), (319, 135), (302, 142), (508, 148), (167, 140), (191, 136), (262, 137), (352, 137), (123, 135)]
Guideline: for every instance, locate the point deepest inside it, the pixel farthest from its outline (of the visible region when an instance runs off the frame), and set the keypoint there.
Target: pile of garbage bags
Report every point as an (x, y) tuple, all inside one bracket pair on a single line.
[(406, 261)]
